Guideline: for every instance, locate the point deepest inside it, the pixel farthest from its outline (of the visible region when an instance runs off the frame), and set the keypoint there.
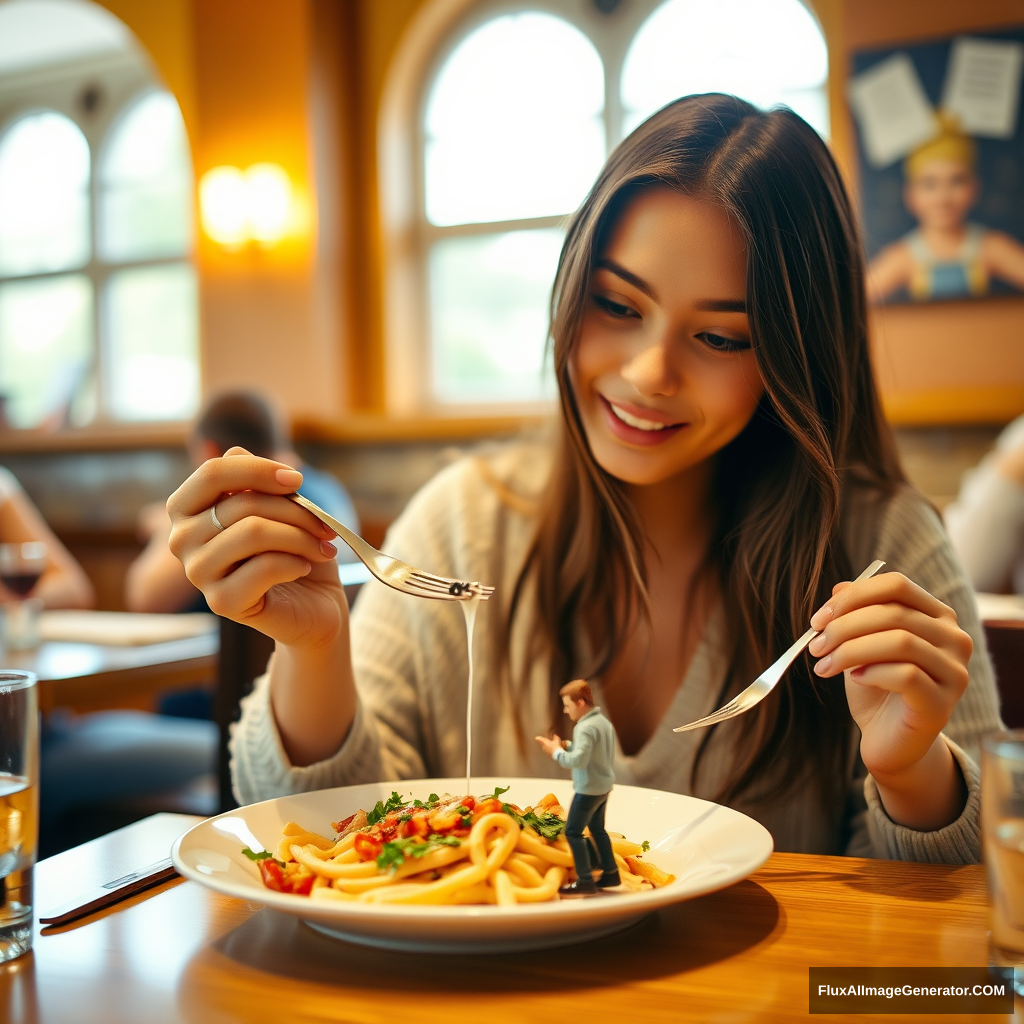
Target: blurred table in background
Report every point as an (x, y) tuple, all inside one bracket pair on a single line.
[(94, 676)]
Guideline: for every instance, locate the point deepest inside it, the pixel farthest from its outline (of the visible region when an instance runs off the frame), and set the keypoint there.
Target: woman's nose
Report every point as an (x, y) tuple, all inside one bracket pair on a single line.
[(652, 371)]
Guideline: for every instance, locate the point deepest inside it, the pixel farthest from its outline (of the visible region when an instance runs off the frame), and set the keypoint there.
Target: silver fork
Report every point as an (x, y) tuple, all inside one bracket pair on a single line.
[(393, 571), (767, 680)]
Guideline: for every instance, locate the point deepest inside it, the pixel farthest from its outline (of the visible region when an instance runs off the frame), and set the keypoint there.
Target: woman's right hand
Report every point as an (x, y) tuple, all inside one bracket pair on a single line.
[(272, 566)]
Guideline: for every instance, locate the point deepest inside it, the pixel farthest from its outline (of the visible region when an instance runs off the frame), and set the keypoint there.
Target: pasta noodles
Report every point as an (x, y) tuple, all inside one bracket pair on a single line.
[(445, 850)]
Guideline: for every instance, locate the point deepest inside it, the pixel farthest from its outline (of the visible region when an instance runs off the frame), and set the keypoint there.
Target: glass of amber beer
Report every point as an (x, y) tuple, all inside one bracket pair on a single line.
[(19, 808)]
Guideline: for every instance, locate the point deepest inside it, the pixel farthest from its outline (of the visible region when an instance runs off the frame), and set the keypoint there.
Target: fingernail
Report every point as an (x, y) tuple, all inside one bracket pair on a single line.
[(328, 549), (822, 617), (817, 644), (824, 665), (288, 477)]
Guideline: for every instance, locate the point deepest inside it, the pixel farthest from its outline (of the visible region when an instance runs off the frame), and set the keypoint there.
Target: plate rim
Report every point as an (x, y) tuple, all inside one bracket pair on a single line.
[(624, 903)]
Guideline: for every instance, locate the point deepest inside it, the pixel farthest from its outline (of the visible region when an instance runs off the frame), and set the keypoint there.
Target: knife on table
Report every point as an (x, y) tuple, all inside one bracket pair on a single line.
[(111, 892)]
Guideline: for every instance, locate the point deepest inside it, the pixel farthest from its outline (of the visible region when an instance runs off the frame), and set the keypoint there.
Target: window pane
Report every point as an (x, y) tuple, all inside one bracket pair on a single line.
[(146, 184), (46, 330), (513, 123), (489, 315), (44, 195), (153, 326), (766, 51)]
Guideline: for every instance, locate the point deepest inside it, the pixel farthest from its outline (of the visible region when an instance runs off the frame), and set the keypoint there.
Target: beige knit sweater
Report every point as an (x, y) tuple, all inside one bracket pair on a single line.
[(472, 522)]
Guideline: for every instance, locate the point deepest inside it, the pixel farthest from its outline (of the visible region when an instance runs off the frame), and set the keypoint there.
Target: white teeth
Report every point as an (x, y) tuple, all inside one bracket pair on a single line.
[(635, 421)]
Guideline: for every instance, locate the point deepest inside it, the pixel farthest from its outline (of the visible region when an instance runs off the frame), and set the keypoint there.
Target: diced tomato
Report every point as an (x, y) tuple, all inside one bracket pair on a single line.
[(415, 826), (368, 847), (289, 879), (340, 826), (300, 885), (273, 877), (488, 806), (459, 833), (387, 830), (468, 802)]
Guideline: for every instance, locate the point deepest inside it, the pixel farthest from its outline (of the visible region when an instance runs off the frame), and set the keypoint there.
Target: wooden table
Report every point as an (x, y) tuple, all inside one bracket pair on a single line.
[(93, 677), (181, 953)]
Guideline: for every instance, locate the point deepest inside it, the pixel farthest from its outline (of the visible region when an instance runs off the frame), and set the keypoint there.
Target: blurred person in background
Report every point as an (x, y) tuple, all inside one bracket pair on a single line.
[(63, 583), (156, 580), (986, 522)]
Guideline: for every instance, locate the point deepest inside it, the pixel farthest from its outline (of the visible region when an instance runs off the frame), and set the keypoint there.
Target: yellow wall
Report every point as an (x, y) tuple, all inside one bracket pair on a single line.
[(246, 74)]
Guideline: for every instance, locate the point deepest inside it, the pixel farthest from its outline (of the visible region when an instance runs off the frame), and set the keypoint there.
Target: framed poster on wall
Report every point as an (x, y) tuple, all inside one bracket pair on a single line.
[(942, 166)]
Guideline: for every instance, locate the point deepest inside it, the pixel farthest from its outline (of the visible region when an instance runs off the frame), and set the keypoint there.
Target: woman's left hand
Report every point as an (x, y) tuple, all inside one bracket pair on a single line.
[(905, 662)]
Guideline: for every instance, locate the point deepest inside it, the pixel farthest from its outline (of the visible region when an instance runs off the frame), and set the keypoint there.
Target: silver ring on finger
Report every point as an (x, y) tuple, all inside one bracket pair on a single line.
[(216, 521)]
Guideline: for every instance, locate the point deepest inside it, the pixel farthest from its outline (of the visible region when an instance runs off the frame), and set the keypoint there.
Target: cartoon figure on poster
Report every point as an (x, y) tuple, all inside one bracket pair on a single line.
[(953, 250)]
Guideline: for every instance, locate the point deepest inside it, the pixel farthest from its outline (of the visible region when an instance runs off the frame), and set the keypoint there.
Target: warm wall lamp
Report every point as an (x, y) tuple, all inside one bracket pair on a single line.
[(240, 206)]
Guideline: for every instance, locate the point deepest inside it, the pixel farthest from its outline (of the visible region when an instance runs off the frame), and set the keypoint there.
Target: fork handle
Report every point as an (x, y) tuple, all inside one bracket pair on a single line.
[(790, 656), (364, 552)]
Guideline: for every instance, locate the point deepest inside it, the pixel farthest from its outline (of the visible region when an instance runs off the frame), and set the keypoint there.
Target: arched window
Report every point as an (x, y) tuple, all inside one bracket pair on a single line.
[(145, 219), (521, 111), (765, 51), (98, 298), (519, 95)]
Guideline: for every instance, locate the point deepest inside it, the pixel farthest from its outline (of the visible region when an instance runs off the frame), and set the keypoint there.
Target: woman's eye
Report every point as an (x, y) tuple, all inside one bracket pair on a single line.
[(613, 308), (722, 344)]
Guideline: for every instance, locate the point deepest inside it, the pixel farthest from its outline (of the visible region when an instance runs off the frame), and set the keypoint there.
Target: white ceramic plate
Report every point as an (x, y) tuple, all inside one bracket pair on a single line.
[(706, 846)]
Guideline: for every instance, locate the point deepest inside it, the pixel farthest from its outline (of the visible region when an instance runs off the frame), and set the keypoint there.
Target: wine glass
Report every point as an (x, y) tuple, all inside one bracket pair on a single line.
[(21, 565)]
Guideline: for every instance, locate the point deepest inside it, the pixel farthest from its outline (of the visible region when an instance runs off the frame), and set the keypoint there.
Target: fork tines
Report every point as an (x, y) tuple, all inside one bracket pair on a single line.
[(450, 588)]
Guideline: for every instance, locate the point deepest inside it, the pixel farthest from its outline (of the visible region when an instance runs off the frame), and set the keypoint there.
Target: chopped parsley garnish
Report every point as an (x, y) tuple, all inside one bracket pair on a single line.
[(262, 855), (405, 817), (544, 823), (432, 801), (393, 855), (498, 791), (645, 846), (383, 808)]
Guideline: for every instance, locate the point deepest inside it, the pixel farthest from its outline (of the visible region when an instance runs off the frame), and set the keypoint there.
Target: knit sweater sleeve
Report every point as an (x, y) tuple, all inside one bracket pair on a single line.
[(398, 645), (909, 536)]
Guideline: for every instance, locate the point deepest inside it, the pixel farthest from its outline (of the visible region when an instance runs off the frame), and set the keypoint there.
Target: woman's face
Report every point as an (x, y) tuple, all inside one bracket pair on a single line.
[(941, 194), (663, 372)]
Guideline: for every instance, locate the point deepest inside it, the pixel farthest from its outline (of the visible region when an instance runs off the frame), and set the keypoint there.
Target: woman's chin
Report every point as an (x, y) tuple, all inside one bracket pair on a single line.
[(640, 468)]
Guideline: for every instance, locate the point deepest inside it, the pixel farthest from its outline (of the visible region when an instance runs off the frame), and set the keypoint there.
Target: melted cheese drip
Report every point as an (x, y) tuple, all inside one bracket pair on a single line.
[(469, 611)]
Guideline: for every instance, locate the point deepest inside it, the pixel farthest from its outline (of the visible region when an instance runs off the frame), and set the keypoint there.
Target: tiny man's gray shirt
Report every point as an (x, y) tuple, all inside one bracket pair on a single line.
[(590, 754)]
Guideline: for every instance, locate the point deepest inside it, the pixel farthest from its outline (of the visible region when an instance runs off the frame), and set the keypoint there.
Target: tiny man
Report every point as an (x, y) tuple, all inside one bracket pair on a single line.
[(589, 755)]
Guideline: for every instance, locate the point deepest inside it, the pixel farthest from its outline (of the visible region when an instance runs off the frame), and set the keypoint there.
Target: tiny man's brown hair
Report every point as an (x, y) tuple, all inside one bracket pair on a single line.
[(578, 689)]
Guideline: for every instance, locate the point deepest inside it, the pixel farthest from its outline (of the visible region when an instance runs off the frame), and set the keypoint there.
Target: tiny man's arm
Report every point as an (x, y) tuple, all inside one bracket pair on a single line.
[(579, 754)]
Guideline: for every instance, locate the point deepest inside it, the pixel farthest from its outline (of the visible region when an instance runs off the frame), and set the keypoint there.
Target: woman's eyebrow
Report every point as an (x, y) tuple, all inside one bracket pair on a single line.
[(722, 305), (619, 271)]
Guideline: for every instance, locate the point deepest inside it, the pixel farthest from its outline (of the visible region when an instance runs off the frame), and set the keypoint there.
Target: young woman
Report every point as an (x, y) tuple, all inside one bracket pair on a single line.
[(721, 465)]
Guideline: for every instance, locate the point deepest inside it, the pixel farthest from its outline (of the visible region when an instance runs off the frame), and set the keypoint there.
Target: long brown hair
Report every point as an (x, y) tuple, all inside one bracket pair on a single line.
[(776, 551)]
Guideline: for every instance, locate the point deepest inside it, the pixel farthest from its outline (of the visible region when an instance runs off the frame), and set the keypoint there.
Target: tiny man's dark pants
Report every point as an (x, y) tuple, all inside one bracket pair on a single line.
[(588, 810)]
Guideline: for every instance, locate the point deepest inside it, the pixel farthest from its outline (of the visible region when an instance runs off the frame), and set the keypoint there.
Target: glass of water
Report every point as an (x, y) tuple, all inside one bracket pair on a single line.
[(19, 809)]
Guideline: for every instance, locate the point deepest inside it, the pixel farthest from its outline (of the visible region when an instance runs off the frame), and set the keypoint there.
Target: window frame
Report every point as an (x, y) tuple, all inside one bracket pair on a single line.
[(407, 233), (124, 80)]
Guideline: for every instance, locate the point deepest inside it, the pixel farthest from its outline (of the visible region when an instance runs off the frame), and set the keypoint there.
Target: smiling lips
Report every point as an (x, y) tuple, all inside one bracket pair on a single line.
[(638, 426)]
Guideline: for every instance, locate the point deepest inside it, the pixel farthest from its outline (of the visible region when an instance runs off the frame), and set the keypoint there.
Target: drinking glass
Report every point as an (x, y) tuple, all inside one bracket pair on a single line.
[(21, 565), (19, 809)]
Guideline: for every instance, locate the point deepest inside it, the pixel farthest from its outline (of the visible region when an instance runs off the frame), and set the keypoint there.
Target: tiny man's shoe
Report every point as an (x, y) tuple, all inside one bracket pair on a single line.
[(609, 880), (578, 888)]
